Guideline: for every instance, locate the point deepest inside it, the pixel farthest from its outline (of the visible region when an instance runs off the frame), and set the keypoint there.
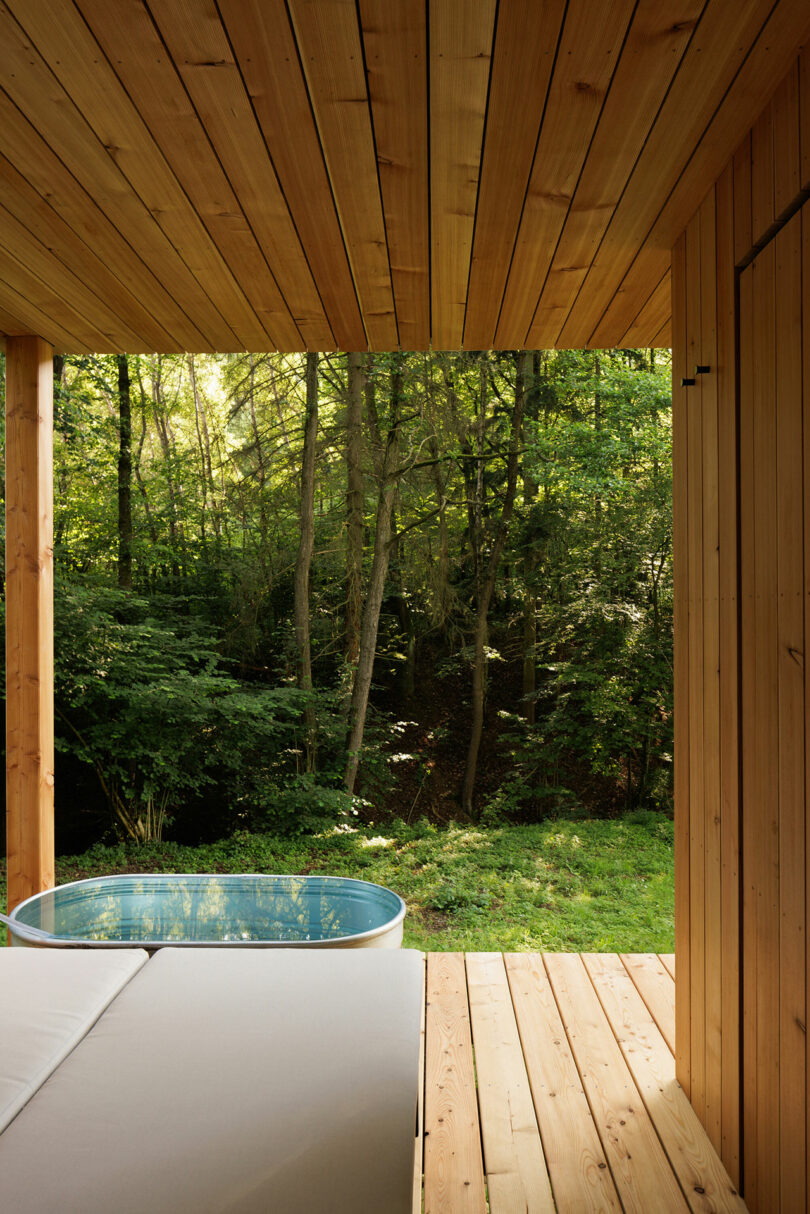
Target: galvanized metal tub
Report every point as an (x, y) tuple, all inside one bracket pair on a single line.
[(255, 910)]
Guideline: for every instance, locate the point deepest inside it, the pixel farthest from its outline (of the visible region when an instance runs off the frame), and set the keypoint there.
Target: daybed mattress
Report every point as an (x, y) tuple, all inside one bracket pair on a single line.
[(241, 1081)]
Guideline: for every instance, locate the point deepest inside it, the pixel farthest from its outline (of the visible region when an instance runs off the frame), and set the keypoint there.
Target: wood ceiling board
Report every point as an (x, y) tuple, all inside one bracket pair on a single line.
[(161, 170), (26, 147), (523, 57), (46, 297), (266, 51), (652, 317), (395, 41), (21, 199), (804, 116), (133, 46), (32, 314), (704, 116), (587, 57), (203, 56), (328, 36), (21, 248), (61, 75), (11, 327), (460, 49), (50, 179), (653, 49), (663, 338), (786, 142)]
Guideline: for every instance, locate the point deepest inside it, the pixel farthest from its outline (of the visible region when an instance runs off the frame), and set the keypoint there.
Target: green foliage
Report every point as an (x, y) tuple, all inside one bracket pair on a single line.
[(145, 700), (560, 886), (178, 698)]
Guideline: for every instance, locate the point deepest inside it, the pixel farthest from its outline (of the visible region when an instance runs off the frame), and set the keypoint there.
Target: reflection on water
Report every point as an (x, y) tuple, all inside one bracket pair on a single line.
[(174, 907)]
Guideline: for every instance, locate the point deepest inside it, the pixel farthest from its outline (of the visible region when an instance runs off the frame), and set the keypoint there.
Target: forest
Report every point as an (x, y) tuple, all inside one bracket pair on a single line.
[(295, 592)]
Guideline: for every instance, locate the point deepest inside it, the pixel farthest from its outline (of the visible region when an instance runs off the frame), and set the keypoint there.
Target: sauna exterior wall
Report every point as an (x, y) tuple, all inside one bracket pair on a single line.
[(741, 453)]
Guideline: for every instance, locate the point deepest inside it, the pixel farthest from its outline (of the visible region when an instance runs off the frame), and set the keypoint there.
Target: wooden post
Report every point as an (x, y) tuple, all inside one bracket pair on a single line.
[(29, 617)]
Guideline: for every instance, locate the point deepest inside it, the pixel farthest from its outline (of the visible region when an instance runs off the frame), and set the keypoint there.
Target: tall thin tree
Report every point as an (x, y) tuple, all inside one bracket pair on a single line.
[(376, 584), (356, 377), (304, 560), (124, 474), (487, 584)]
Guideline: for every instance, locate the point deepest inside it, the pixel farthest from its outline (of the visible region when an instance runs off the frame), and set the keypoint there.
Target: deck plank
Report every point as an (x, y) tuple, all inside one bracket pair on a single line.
[(577, 1102), (654, 984), (640, 1167), (580, 1178), (517, 1178), (704, 1179), (454, 1170), (668, 962)]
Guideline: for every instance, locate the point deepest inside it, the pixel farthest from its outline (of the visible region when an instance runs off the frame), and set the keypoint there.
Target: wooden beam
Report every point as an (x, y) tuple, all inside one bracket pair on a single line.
[(29, 617)]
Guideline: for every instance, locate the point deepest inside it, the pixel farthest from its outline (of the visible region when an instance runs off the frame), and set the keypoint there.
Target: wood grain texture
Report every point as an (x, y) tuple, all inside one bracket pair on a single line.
[(524, 56), (587, 57), (697, 805), (202, 55), (703, 1178), (359, 174), (395, 40), (454, 1172), (680, 539), (92, 122), (790, 641), (747, 724), (331, 50), (132, 43), (580, 1178), (517, 1178), (29, 617), (656, 312), (708, 383), (460, 51), (643, 1178), (627, 117), (729, 806), (721, 116), (654, 983), (265, 50)]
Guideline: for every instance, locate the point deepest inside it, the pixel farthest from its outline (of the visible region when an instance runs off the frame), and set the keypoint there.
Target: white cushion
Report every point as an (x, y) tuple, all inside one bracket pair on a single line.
[(48, 1001), (249, 1081)]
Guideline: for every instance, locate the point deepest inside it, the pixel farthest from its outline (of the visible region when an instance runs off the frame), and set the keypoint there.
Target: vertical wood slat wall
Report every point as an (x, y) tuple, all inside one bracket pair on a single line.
[(741, 455)]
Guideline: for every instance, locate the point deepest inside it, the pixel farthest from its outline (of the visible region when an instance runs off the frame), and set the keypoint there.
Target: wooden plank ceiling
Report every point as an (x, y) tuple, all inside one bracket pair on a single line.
[(365, 174)]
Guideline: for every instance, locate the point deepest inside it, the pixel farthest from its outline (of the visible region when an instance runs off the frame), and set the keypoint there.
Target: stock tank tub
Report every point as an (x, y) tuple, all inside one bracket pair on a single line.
[(189, 909)]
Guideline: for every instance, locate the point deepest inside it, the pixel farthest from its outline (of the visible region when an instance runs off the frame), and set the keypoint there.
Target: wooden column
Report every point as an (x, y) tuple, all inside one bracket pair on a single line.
[(29, 617)]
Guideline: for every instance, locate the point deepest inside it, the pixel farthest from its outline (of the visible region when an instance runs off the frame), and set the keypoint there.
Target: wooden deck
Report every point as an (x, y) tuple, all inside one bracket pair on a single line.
[(549, 1084)]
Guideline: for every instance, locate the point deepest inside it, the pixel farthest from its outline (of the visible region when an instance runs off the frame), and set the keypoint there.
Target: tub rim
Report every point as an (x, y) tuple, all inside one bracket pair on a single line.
[(38, 936)]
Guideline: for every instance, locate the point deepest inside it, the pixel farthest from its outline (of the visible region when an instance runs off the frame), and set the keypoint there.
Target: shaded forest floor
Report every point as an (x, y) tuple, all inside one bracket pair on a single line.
[(422, 740), (560, 886)]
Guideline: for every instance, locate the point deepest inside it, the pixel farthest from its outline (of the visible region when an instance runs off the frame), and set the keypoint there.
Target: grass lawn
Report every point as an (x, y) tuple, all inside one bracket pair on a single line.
[(563, 886)]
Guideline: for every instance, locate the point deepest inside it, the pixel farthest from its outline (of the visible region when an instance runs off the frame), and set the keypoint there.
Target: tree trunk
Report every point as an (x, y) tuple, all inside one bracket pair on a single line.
[(443, 597), (166, 437), (304, 559), (354, 512), (407, 680), (124, 474), (376, 587), (531, 370), (487, 587), (204, 446)]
